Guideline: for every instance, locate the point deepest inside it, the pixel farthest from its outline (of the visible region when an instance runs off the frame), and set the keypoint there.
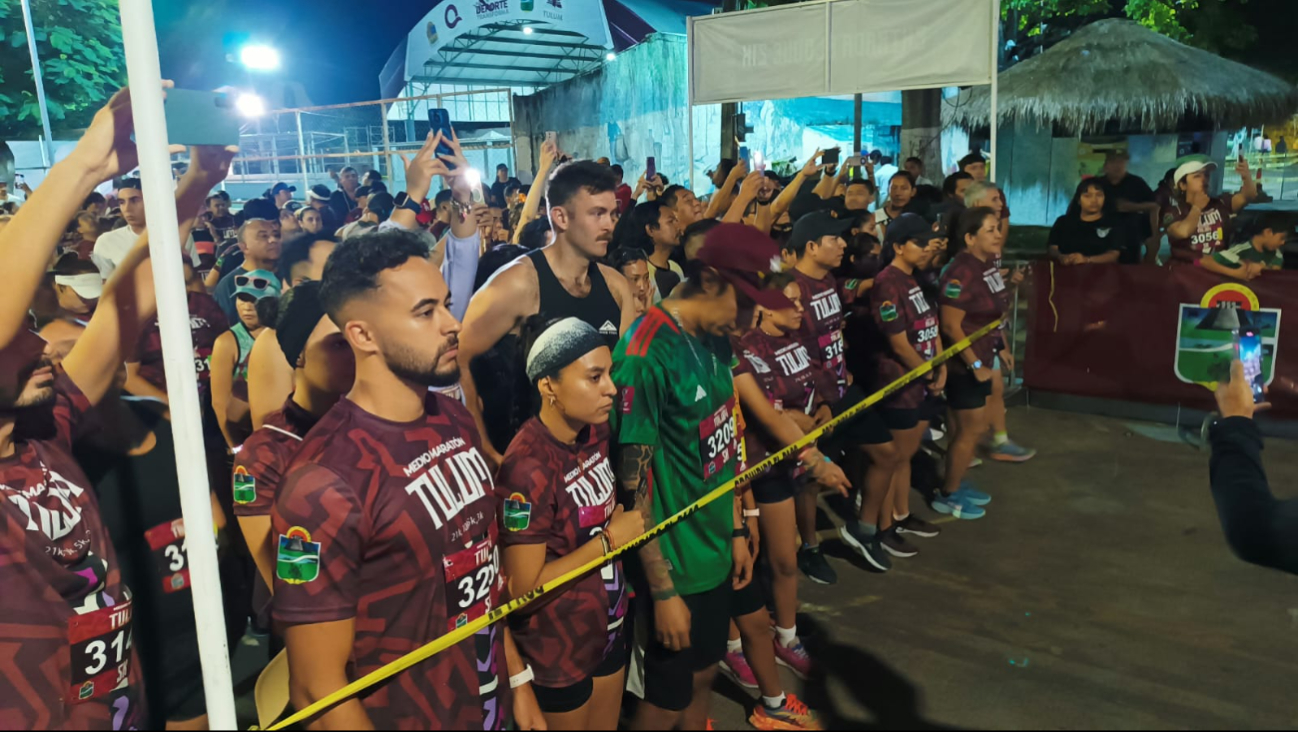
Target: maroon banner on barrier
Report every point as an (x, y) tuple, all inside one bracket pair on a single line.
[(1154, 334)]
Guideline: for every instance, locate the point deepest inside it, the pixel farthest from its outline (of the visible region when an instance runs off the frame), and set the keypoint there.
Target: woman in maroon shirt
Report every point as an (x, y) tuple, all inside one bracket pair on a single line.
[(559, 512), (904, 315)]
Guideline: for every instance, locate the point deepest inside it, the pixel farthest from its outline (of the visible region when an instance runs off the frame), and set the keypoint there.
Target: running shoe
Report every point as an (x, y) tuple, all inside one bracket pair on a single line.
[(869, 547), (977, 462), (794, 658), (812, 562), (735, 667), (935, 434), (956, 505), (1010, 452), (913, 525), (794, 715), (971, 494), (896, 544)]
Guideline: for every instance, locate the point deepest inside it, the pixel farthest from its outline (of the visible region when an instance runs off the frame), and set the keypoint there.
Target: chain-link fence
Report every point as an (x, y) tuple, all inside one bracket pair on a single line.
[(308, 146)]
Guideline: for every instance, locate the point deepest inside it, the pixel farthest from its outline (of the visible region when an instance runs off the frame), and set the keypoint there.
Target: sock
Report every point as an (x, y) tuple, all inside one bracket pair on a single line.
[(786, 636), (867, 529), (1000, 438), (899, 519), (773, 702), (734, 646)]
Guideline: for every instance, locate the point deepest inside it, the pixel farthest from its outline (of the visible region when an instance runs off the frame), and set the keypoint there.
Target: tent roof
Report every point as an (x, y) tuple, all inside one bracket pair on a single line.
[(501, 55), (1120, 70)]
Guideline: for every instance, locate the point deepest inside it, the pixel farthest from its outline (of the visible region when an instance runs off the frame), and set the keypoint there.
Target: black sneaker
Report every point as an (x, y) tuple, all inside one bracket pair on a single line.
[(869, 547), (812, 562), (916, 526), (896, 544)]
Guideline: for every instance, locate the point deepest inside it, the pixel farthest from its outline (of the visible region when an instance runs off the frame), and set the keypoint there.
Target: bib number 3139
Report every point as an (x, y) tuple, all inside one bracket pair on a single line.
[(101, 652), (718, 439)]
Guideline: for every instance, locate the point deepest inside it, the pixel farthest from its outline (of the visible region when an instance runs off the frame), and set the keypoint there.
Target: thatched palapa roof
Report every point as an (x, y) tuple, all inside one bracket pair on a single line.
[(1120, 70)]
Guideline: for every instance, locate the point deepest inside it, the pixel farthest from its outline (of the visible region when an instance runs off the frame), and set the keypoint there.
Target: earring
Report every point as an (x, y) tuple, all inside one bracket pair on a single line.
[(553, 402)]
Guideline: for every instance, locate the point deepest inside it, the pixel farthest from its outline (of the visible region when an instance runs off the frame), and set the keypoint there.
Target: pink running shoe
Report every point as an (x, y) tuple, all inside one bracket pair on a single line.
[(735, 667), (794, 658)]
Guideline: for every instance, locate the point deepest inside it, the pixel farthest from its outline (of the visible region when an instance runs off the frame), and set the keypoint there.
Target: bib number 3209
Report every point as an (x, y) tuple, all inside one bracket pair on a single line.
[(101, 652), (718, 443)]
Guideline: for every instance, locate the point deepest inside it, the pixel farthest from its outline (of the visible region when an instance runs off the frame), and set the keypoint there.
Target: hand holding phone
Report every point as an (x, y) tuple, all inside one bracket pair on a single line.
[(650, 169), (1248, 349), (440, 121), (830, 158)]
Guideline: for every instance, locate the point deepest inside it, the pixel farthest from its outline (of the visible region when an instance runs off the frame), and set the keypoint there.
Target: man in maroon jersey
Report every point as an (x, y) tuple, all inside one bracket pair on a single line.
[(324, 370), (386, 519), (817, 239), (144, 372), (65, 623)]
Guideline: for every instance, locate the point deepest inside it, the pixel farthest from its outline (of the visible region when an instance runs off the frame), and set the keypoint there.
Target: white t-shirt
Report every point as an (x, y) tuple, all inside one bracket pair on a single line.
[(116, 244)]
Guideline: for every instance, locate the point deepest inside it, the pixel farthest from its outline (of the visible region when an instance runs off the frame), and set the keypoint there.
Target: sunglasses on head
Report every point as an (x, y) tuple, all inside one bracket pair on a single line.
[(259, 283)]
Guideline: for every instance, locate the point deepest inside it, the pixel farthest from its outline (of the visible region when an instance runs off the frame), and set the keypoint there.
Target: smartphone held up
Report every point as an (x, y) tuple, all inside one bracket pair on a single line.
[(1248, 349)]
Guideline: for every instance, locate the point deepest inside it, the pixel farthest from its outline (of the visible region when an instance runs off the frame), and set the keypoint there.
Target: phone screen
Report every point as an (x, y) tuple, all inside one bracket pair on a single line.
[(831, 157), (650, 169), (201, 118), (552, 136), (440, 119), (759, 162), (1248, 347)]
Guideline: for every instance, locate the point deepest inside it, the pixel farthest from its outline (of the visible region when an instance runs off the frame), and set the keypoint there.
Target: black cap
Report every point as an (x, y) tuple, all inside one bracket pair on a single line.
[(813, 226), (300, 311), (806, 203), (909, 227), (274, 191)]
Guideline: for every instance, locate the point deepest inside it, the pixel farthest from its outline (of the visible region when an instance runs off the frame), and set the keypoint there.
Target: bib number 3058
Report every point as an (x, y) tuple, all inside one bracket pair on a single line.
[(101, 652), (718, 439)]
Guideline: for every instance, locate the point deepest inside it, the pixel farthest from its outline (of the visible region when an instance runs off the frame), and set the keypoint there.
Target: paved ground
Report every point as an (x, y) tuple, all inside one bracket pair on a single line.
[(1097, 593)]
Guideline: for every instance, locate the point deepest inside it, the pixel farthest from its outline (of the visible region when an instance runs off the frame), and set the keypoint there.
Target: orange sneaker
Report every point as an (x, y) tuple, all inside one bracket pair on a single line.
[(794, 715)]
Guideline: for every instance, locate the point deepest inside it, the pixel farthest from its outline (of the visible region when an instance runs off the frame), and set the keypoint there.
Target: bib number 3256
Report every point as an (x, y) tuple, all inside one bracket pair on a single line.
[(101, 652)]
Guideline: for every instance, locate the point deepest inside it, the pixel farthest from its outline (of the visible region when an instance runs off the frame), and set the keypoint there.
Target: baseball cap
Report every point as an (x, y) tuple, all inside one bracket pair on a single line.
[(300, 312), (806, 203), (282, 187), (258, 283), (909, 227), (1190, 167), (813, 226), (318, 193), (744, 256)]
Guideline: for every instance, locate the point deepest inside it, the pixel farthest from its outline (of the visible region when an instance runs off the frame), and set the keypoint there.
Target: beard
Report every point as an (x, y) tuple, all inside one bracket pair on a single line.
[(28, 394), (410, 366)]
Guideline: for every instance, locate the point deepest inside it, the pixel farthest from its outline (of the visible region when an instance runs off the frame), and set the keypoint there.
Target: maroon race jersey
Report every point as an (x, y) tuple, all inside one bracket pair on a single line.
[(206, 324), (260, 463), (394, 525), (561, 495), (899, 306), (66, 658), (822, 325), (787, 375), (1210, 236), (976, 287)]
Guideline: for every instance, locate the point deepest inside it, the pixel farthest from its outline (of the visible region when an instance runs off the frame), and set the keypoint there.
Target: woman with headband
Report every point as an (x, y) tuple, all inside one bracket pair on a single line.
[(559, 512)]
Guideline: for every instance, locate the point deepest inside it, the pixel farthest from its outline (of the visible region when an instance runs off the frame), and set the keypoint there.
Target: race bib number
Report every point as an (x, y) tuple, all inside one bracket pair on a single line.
[(1207, 242), (101, 652), (925, 337), (473, 581), (202, 359), (718, 439), (831, 350), (168, 544)]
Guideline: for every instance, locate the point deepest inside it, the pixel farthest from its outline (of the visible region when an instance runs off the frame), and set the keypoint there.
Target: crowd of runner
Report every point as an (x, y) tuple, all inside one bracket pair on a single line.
[(419, 406)]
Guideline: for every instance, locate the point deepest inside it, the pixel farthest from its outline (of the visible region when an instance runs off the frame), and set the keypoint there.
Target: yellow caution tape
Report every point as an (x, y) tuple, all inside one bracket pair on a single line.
[(463, 632)]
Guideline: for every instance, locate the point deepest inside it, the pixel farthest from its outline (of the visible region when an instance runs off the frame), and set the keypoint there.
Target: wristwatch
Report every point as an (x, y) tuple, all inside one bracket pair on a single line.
[(743, 533), (976, 365), (525, 677), (403, 200)]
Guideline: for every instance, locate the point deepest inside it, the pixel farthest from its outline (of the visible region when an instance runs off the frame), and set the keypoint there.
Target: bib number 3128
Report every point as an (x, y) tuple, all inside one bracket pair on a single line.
[(101, 652)]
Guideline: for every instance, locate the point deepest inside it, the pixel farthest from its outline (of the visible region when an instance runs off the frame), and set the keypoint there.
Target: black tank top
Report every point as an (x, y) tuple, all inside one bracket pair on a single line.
[(598, 308)]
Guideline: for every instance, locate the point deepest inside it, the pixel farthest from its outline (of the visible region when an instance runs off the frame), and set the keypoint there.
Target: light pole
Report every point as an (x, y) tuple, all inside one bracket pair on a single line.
[(47, 155)]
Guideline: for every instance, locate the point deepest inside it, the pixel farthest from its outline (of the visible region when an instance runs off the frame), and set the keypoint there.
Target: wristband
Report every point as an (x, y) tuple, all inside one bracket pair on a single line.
[(753, 513), (525, 677), (743, 533), (605, 542)]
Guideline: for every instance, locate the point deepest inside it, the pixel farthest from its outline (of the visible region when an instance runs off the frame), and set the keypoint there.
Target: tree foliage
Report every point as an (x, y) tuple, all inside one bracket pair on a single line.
[(80, 47)]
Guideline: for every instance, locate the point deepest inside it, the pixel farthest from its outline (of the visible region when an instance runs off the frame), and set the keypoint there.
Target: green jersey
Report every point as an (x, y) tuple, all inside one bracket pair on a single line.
[(676, 394), (1237, 255)]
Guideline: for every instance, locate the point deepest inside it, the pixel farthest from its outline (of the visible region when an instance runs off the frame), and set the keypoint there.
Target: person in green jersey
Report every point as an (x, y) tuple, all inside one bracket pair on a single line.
[(677, 440), (1248, 259)]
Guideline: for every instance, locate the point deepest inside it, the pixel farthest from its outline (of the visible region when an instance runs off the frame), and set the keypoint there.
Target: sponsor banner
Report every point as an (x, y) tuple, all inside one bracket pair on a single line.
[(451, 19)]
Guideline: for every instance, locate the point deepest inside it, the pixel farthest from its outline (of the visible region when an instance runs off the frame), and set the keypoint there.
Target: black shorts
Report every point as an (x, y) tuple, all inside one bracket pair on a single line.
[(669, 675), (965, 392), (866, 428), (902, 419), (776, 485), (564, 699)]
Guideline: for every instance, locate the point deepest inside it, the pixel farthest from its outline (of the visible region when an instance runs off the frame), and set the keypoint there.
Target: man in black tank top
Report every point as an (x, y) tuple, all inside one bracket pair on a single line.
[(564, 279)]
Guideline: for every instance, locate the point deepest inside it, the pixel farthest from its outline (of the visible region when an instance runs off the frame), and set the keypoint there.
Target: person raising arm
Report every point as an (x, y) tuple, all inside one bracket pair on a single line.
[(536, 194)]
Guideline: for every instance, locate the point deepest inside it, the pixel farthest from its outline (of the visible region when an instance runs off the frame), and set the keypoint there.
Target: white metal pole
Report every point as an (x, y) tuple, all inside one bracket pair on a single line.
[(142, 66), (689, 94), (47, 153), (302, 161), (995, 50)]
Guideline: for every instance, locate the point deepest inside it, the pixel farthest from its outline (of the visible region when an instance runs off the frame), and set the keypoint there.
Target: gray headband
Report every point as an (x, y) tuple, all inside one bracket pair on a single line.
[(561, 344)]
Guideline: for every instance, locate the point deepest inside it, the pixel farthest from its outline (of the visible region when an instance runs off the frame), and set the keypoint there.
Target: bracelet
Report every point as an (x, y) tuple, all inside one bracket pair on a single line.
[(743, 533), (664, 595), (524, 677), (753, 513), (605, 541)]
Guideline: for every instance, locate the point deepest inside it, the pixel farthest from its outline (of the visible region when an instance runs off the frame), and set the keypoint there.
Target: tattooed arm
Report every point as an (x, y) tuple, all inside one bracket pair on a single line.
[(671, 616)]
